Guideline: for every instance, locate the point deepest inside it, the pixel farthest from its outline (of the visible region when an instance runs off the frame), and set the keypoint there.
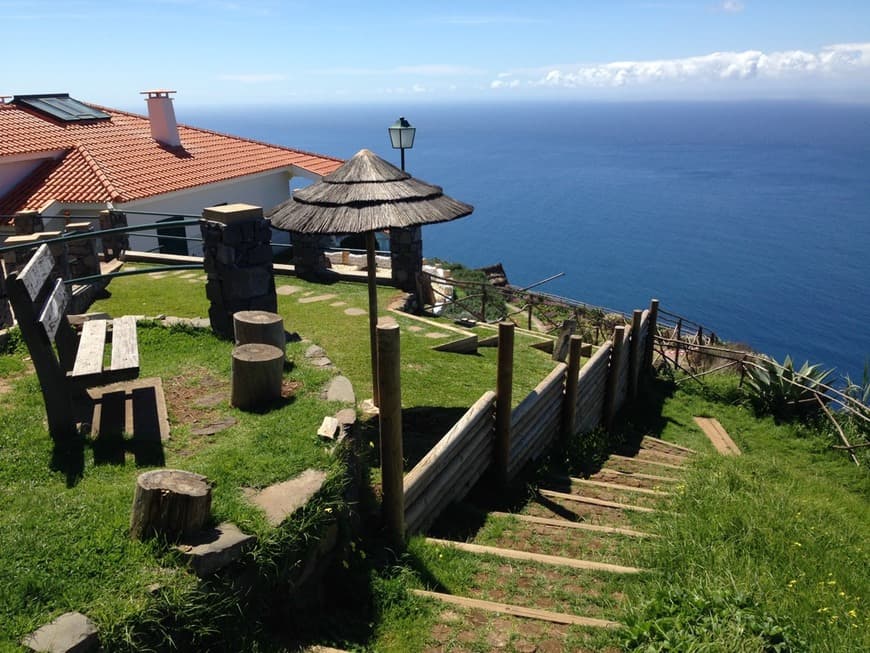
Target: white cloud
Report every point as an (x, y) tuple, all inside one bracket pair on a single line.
[(834, 61), (252, 78), (730, 6), (501, 83), (438, 70)]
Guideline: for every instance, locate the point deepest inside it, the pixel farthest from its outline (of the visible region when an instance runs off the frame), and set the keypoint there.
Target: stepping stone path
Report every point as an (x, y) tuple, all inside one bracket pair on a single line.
[(315, 298), (353, 312), (213, 549), (573, 539), (287, 290)]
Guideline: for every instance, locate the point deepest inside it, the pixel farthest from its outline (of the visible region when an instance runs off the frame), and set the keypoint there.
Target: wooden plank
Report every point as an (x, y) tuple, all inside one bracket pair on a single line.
[(517, 611), (528, 556), (649, 477), (671, 445), (718, 436), (54, 309), (645, 461), (619, 486), (125, 344), (576, 525), (579, 498), (36, 271), (89, 358)]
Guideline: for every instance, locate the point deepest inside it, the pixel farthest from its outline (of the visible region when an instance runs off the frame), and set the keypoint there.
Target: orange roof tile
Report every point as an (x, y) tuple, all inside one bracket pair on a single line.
[(117, 160)]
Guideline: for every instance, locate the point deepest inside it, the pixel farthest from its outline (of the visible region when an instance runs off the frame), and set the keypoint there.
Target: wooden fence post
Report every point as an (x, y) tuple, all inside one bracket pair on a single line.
[(371, 264), (611, 403), (635, 353), (677, 342), (572, 378), (652, 331), (392, 475), (504, 397)]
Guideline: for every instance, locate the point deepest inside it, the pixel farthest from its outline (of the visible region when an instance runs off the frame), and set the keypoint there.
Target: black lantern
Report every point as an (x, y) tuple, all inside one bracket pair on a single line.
[(402, 136)]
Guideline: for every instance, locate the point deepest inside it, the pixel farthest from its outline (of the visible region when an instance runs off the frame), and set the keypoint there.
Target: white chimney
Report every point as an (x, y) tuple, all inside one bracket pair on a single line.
[(161, 115)]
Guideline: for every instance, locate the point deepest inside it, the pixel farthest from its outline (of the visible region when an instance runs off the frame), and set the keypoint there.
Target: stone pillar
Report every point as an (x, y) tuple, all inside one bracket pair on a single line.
[(28, 222), (83, 261), (309, 255), (406, 254), (16, 259), (237, 257), (113, 244)]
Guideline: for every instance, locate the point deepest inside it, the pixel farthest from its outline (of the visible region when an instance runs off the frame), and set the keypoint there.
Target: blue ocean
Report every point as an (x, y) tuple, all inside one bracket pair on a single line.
[(752, 219)]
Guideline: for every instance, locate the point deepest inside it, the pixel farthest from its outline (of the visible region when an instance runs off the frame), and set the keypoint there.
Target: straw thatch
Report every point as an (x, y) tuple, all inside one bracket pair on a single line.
[(365, 194)]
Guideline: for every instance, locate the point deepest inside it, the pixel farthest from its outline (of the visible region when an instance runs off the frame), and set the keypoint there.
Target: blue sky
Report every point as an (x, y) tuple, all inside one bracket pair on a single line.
[(216, 52)]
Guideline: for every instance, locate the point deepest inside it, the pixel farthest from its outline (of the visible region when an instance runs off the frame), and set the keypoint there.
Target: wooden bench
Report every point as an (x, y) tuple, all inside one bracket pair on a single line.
[(66, 363)]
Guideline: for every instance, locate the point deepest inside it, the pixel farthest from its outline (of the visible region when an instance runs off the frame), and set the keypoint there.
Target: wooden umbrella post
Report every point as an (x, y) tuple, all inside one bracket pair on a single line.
[(371, 267), (392, 461)]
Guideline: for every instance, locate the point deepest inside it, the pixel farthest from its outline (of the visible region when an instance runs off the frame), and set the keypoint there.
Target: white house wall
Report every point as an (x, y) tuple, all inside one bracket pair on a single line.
[(265, 190)]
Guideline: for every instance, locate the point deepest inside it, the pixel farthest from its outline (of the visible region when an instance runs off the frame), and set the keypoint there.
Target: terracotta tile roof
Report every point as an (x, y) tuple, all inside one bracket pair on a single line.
[(117, 160)]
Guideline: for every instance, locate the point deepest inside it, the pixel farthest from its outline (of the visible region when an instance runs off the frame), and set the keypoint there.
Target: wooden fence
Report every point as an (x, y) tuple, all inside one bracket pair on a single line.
[(601, 388)]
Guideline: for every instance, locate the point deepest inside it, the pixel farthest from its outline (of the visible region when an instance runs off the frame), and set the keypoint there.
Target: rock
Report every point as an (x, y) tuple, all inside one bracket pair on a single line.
[(72, 632), (281, 500), (340, 389), (215, 548), (328, 428), (346, 418), (321, 361), (315, 351)]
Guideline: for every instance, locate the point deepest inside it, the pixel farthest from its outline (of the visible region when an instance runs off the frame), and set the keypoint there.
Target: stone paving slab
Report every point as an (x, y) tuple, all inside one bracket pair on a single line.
[(213, 549), (340, 389), (281, 500), (72, 632)]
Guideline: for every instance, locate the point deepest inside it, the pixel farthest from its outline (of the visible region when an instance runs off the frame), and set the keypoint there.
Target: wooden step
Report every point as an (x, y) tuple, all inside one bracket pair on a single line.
[(645, 461), (648, 477), (579, 498), (619, 486), (665, 443), (716, 433), (578, 525), (528, 556), (517, 610)]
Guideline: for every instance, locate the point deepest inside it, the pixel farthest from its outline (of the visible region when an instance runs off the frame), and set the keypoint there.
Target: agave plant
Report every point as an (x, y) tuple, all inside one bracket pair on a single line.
[(783, 391), (860, 391)]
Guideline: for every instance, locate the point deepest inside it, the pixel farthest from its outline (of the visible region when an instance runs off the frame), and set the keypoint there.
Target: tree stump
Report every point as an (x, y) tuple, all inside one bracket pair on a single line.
[(257, 374), (171, 503), (259, 327)]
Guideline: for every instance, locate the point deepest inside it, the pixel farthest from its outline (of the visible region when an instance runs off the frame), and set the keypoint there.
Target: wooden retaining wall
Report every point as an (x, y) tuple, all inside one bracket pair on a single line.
[(452, 467), (591, 388), (536, 422), (461, 457)]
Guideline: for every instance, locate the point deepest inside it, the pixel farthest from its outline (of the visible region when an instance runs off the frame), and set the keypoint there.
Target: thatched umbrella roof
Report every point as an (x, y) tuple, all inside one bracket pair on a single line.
[(365, 194)]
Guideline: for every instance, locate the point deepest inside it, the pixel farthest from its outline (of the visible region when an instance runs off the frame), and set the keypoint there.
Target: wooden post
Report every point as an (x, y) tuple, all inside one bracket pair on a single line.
[(483, 302), (259, 326), (392, 473), (530, 314), (677, 342), (257, 372), (572, 378), (652, 331), (635, 353), (503, 399), (171, 503), (611, 403), (371, 265)]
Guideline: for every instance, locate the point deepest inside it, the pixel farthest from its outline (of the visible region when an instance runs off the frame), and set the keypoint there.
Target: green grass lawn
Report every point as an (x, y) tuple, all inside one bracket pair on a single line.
[(63, 535)]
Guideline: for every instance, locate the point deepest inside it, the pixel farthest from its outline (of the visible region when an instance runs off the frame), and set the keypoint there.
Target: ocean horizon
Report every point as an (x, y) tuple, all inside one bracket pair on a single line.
[(751, 218)]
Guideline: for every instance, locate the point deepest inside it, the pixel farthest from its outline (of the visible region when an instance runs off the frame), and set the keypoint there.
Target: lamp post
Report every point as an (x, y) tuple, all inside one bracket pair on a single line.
[(402, 137)]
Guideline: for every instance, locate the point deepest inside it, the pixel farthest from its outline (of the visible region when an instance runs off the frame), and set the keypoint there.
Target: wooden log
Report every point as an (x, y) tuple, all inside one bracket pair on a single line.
[(652, 332), (504, 397), (170, 503), (257, 374), (392, 463), (259, 327), (572, 374)]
